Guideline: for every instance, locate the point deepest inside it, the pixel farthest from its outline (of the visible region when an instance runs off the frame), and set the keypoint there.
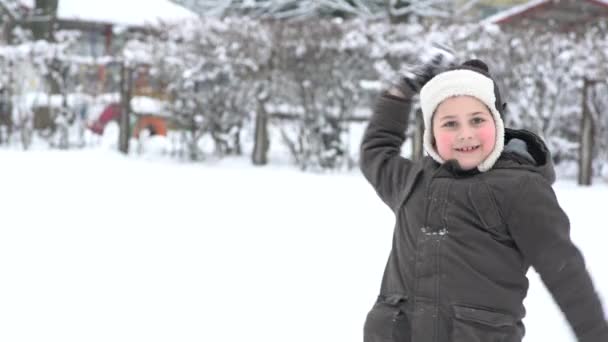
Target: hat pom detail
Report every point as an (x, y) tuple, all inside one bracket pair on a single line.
[(478, 64)]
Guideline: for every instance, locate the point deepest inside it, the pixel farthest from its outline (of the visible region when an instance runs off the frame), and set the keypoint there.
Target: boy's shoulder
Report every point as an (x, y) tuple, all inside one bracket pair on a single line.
[(510, 172), (505, 182), (512, 189)]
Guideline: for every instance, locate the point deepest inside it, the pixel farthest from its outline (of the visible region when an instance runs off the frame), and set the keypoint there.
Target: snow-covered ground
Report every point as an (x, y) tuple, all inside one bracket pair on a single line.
[(98, 247)]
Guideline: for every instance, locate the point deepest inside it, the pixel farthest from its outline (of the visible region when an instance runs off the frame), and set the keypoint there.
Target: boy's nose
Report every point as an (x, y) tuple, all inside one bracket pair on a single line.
[(466, 135)]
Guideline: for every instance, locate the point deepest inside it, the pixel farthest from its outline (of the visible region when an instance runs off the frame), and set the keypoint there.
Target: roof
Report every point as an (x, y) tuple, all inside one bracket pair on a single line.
[(532, 5), (120, 12)]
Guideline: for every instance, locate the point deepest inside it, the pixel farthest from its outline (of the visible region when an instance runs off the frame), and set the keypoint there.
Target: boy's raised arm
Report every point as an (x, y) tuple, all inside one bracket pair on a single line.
[(380, 159)]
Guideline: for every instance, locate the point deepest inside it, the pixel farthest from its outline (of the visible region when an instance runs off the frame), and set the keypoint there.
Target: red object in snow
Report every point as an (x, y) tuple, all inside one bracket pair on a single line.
[(111, 112)]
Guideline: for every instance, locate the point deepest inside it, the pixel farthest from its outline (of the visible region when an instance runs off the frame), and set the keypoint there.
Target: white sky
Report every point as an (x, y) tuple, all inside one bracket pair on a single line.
[(98, 247)]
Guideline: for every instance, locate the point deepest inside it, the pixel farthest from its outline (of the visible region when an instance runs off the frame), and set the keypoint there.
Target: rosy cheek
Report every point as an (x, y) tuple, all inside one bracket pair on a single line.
[(444, 141), (487, 136)]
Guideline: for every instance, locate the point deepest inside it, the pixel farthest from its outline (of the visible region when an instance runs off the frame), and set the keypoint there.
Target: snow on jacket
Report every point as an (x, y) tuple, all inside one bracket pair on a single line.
[(463, 242)]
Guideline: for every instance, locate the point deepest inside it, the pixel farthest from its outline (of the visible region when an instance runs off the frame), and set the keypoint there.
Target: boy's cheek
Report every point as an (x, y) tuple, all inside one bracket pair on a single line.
[(443, 142), (488, 136)]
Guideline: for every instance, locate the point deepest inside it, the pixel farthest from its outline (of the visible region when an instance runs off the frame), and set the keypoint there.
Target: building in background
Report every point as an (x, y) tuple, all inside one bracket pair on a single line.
[(400, 9), (486, 8), (562, 15), (102, 28)]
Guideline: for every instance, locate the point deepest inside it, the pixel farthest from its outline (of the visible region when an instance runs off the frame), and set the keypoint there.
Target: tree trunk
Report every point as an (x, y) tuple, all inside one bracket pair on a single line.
[(585, 173), (44, 29), (237, 141), (125, 96), (262, 142), (6, 118), (392, 6)]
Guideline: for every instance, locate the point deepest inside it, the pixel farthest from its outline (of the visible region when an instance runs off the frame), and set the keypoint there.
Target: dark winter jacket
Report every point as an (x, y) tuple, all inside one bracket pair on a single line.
[(464, 240)]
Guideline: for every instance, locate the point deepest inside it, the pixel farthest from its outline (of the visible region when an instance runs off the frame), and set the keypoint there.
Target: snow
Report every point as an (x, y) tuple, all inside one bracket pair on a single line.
[(148, 105), (40, 99), (128, 13), (120, 12), (27, 3), (95, 246)]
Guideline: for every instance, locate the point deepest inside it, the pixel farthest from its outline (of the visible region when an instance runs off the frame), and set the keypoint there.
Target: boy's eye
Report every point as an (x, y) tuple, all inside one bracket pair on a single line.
[(478, 120)]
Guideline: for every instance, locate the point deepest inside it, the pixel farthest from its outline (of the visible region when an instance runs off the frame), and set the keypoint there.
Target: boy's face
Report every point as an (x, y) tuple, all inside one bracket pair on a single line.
[(464, 129)]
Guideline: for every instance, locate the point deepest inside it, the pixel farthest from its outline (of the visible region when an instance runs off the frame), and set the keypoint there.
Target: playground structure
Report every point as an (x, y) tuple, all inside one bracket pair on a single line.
[(143, 97), (156, 124)]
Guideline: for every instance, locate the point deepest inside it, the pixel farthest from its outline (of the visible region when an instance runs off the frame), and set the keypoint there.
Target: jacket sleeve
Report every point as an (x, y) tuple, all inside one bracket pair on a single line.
[(380, 160), (541, 230)]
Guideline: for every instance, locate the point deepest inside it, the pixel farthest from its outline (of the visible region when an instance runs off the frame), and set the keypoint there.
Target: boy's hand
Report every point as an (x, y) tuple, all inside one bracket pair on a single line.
[(436, 60)]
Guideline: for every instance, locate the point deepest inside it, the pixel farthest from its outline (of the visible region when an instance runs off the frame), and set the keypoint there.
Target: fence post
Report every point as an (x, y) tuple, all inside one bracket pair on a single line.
[(125, 97), (262, 141), (585, 171)]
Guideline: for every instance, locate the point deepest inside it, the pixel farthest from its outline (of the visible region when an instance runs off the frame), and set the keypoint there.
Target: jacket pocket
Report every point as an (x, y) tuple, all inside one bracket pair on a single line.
[(479, 325), (387, 321)]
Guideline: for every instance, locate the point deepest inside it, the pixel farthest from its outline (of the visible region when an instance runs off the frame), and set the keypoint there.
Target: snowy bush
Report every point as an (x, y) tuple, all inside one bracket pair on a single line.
[(541, 74), (310, 77), (205, 71)]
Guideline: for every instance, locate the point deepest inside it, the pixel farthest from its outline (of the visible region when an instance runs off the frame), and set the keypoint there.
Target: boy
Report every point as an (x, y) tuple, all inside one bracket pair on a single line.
[(471, 218)]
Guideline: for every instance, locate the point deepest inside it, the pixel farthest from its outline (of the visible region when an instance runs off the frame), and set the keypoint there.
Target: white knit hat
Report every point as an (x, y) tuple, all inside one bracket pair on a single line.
[(469, 79)]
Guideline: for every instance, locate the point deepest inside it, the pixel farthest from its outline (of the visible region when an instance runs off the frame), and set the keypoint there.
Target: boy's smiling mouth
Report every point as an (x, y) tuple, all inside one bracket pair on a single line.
[(467, 149)]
